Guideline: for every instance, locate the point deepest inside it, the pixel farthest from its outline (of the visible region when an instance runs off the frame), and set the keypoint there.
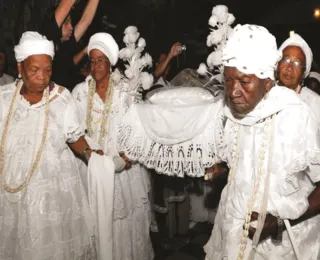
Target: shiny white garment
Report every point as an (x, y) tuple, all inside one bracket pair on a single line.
[(294, 170), (52, 220), (312, 99), (176, 131), (131, 208), (175, 115), (100, 190)]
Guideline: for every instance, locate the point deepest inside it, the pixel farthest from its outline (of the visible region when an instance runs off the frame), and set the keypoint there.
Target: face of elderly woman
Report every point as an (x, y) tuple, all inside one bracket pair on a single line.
[(36, 72), (244, 91), (99, 65), (291, 68)]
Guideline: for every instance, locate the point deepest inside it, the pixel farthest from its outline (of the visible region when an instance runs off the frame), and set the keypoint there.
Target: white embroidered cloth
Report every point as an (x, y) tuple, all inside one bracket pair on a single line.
[(176, 131)]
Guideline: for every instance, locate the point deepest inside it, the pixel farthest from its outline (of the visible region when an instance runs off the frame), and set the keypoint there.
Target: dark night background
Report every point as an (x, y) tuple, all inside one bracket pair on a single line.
[(162, 22)]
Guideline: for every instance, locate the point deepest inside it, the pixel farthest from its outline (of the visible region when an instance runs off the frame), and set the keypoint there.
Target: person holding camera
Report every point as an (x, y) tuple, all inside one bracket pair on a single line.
[(163, 65)]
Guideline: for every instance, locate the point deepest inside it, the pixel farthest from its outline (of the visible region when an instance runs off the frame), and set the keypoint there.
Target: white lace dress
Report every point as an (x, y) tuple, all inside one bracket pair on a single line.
[(294, 169), (50, 219), (131, 213)]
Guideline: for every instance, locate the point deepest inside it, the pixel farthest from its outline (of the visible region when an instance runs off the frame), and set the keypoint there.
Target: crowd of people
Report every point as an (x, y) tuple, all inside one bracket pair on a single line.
[(81, 166)]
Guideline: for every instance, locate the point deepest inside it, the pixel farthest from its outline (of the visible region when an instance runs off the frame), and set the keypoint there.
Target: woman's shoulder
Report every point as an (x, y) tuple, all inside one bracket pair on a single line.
[(80, 89), (7, 91)]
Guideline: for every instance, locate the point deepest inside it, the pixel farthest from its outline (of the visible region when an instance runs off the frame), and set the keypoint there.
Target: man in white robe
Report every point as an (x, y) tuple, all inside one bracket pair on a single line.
[(273, 151)]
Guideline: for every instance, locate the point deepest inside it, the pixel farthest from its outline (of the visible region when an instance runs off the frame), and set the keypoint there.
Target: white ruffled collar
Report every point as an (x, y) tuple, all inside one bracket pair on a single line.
[(278, 99)]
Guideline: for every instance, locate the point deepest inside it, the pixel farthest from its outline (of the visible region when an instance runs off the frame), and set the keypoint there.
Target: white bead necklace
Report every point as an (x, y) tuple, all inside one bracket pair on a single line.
[(105, 112), (4, 137)]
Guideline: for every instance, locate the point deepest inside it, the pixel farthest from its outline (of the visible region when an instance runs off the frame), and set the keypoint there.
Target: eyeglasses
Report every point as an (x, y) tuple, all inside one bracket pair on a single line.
[(98, 62), (285, 61)]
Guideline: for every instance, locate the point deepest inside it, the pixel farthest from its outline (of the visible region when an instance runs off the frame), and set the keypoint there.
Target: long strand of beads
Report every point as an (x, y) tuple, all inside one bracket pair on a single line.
[(31, 172), (252, 199), (91, 91), (105, 112), (235, 154)]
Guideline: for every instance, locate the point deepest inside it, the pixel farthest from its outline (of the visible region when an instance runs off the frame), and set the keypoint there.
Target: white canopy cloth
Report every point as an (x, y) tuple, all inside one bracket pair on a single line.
[(174, 131)]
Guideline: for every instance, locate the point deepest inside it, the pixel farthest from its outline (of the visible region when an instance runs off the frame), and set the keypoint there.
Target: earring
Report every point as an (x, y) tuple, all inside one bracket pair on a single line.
[(19, 76)]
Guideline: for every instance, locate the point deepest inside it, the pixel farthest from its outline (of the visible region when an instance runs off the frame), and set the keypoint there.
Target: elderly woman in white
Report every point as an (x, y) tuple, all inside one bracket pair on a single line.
[(294, 67), (44, 212), (268, 210), (102, 105)]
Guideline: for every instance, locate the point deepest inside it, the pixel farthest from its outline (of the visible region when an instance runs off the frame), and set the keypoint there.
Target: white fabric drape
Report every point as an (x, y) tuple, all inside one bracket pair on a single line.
[(100, 191)]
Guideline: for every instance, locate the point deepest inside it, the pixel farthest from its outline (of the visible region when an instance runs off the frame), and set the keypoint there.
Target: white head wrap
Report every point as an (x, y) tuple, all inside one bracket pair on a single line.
[(252, 50), (297, 40), (314, 75), (105, 43), (33, 43)]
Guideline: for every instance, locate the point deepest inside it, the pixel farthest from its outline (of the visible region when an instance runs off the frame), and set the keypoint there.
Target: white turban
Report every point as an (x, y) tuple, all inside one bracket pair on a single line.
[(297, 40), (314, 75), (252, 50), (33, 43), (105, 43)]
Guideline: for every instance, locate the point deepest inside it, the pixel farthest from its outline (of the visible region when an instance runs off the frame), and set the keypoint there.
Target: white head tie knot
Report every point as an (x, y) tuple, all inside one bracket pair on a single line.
[(105, 43), (252, 50), (33, 43), (314, 75), (297, 40)]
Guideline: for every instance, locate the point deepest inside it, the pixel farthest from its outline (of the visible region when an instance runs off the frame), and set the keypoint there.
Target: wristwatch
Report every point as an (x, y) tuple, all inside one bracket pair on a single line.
[(277, 238)]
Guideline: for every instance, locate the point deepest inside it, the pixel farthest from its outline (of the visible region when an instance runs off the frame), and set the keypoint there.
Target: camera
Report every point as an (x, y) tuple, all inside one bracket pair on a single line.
[(182, 48)]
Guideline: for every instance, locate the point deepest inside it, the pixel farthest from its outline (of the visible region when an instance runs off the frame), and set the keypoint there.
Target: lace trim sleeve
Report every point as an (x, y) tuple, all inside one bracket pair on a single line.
[(308, 161)]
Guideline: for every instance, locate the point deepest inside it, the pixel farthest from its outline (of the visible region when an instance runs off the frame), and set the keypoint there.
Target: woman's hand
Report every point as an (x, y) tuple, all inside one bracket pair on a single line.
[(215, 171), (175, 50), (100, 152), (126, 159)]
